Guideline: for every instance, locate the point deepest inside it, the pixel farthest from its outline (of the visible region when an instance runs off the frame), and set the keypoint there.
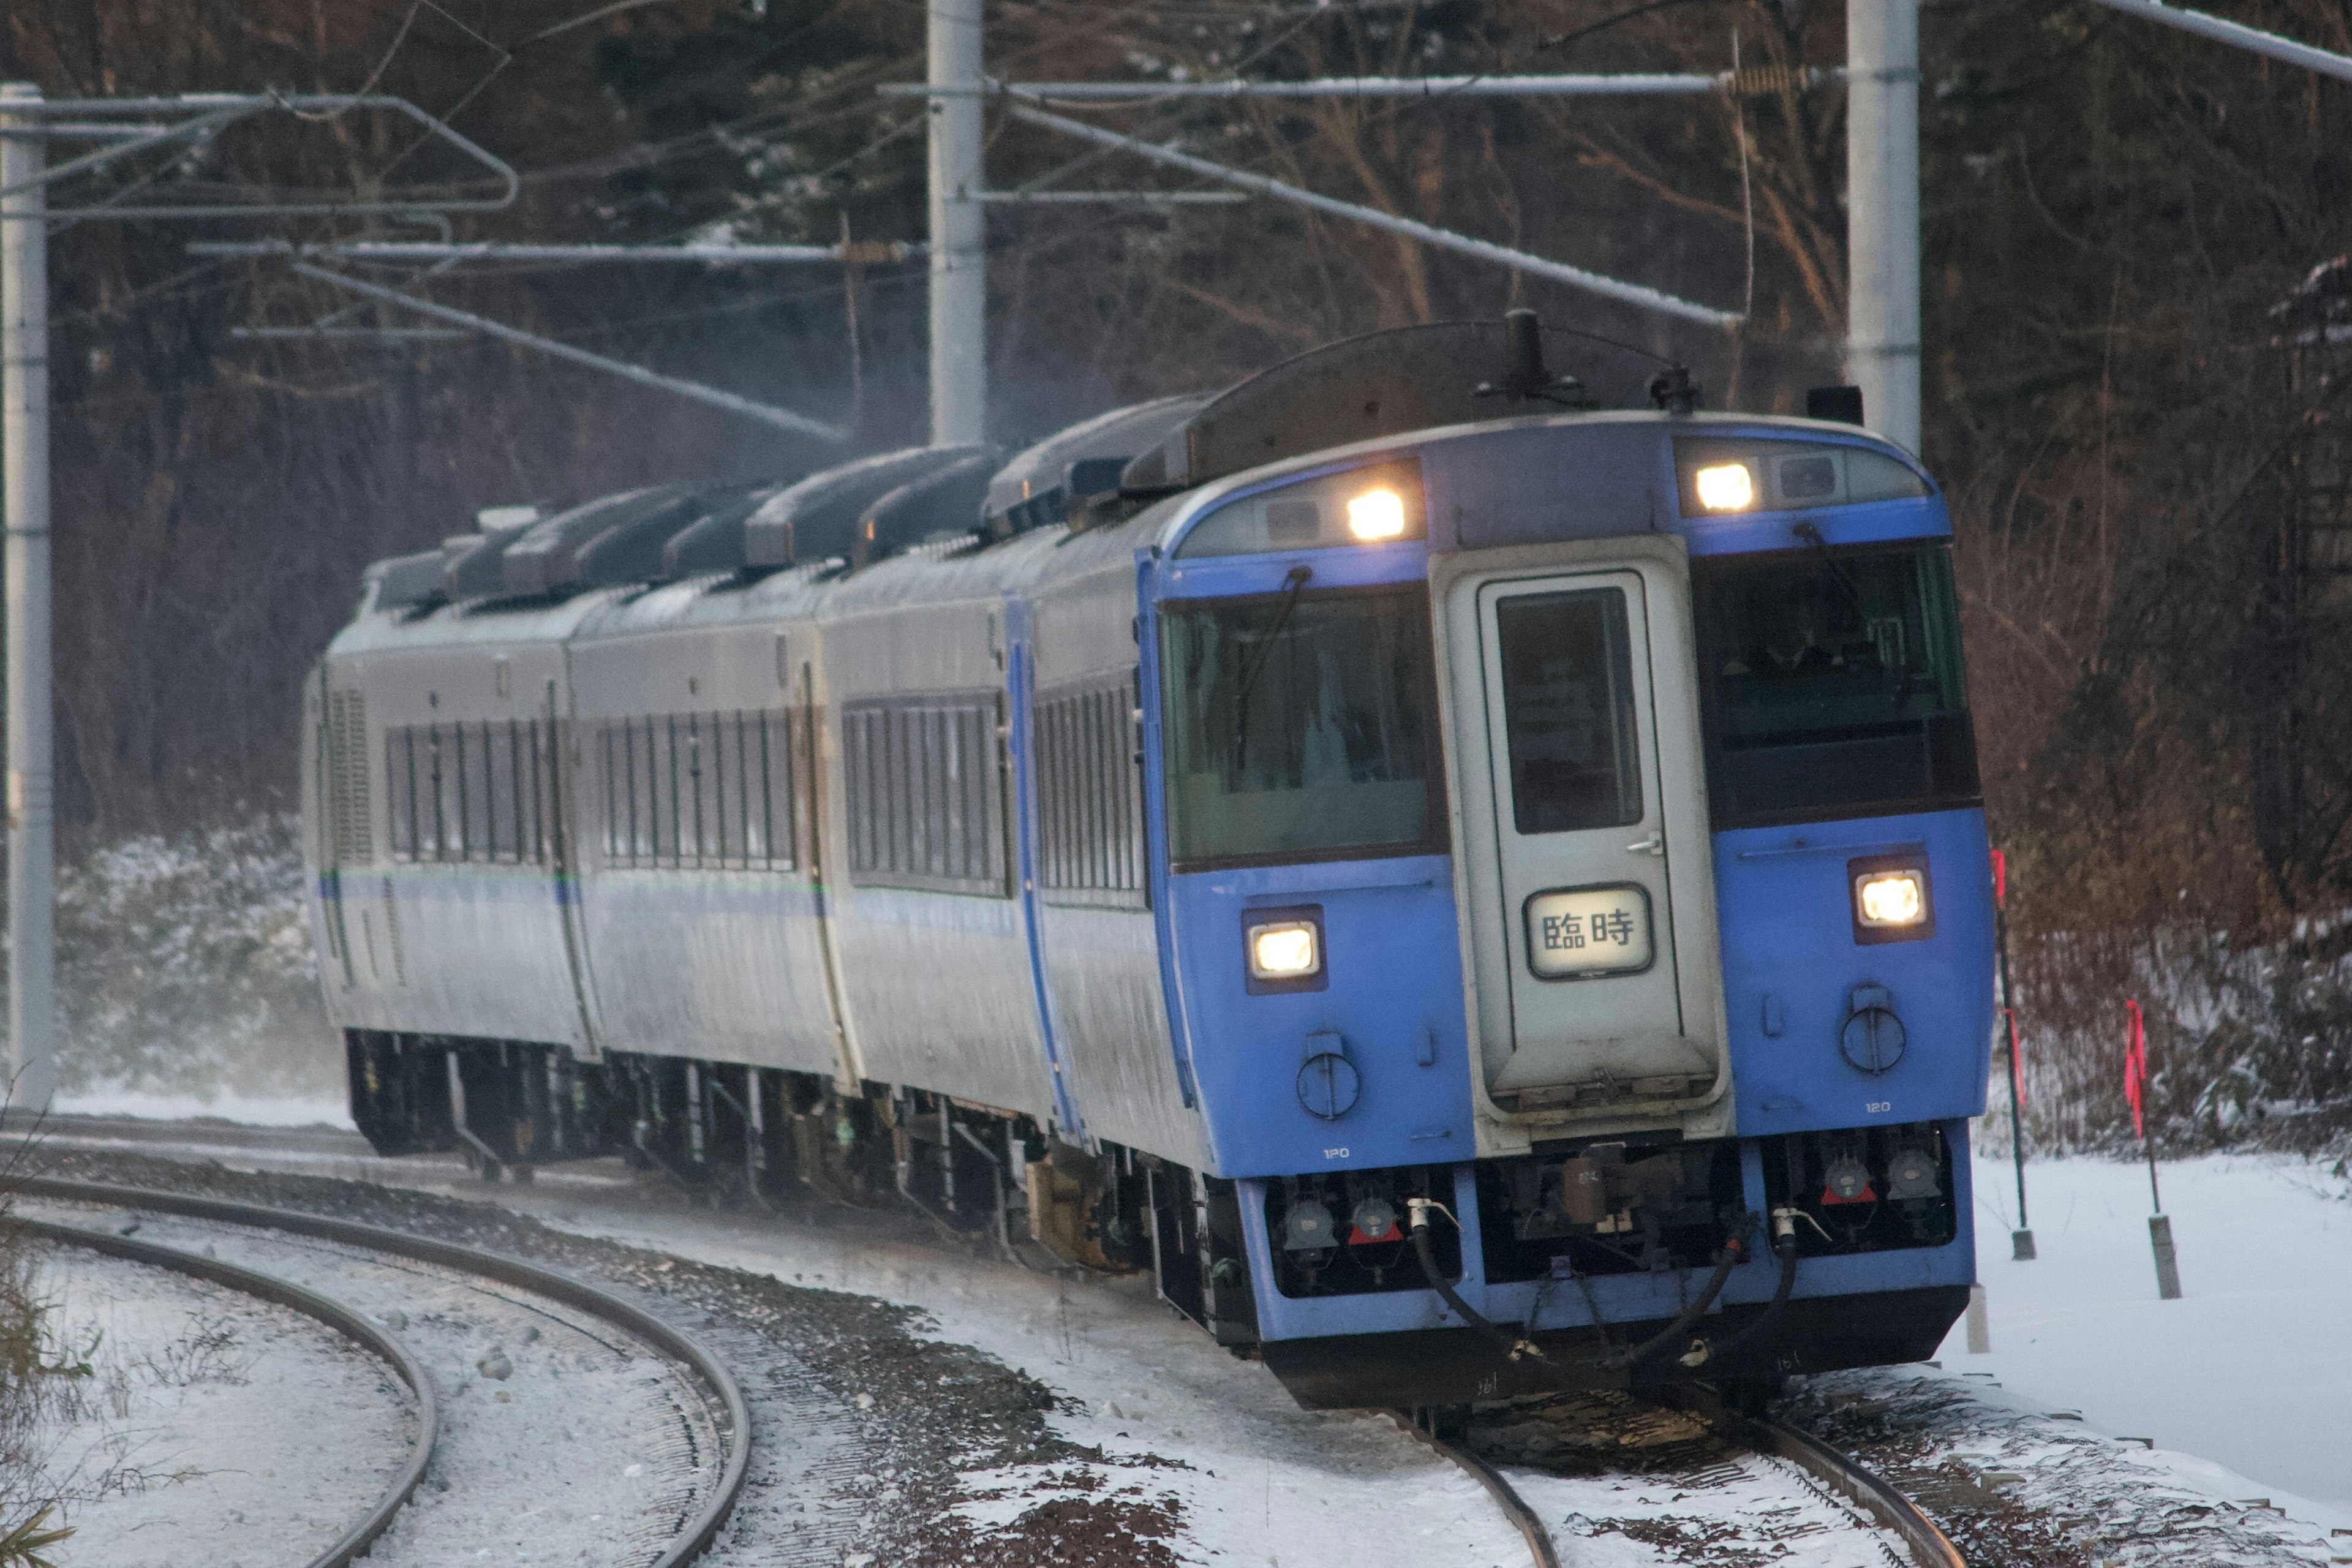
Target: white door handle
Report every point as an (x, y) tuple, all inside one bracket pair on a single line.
[(1655, 844)]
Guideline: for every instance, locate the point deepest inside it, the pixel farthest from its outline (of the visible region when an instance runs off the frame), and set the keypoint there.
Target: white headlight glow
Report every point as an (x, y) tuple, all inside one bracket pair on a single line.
[(1284, 951), (1376, 515), (1725, 487), (1891, 898)]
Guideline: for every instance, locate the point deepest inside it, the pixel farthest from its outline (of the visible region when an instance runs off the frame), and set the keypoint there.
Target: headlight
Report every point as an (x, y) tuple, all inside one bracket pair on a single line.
[(1286, 950), (1728, 474), (1376, 515), (1891, 899), (1725, 487), (1885, 901), (1376, 504)]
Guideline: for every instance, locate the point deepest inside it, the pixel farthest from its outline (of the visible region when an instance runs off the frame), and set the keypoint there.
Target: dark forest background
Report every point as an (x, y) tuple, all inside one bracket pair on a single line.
[(2137, 354)]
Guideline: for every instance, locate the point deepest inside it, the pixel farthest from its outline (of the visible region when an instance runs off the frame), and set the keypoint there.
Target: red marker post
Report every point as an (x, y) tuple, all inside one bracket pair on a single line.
[(2136, 1080), (2021, 1240)]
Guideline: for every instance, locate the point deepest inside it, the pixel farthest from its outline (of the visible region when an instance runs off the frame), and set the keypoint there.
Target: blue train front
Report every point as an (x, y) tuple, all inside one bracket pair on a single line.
[(1573, 823), (1475, 897)]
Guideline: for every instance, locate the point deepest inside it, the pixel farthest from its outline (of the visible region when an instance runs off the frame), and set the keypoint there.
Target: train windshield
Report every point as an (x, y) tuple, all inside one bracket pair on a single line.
[(1833, 684), (1299, 727)]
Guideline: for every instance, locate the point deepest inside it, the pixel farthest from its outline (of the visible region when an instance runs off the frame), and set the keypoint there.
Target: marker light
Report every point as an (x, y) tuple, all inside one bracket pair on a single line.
[(1286, 951), (1725, 487), (1889, 899), (1376, 515)]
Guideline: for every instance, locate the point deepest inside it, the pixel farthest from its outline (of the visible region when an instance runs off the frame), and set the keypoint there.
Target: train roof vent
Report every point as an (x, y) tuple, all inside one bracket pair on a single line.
[(713, 543), (633, 551), (819, 516), (946, 500), (546, 558), (470, 562), (1383, 384), (495, 519), (405, 579), (1050, 480)]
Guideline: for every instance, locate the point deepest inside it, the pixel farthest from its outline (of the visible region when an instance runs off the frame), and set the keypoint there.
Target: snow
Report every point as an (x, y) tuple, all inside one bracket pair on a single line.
[(1260, 1482), (583, 1448), (177, 1451), (1651, 1521), (2249, 1372), (246, 1110)]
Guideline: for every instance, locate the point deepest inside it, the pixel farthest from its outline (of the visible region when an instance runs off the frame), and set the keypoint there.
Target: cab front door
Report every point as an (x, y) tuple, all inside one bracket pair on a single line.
[(1586, 882)]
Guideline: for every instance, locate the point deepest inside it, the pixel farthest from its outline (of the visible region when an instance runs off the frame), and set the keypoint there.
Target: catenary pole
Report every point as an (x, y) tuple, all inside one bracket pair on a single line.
[(1881, 156), (959, 233), (25, 451)]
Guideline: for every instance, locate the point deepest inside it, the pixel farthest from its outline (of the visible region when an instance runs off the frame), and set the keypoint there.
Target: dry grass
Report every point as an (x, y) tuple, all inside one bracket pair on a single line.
[(25, 1509)]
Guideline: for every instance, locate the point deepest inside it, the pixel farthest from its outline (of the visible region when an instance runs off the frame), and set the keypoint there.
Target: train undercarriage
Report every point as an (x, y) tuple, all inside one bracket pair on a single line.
[(736, 1136)]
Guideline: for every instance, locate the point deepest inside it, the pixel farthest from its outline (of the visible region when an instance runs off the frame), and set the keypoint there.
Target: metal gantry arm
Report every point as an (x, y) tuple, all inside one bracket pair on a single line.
[(1611, 85), (867, 252), (1428, 234), (765, 412), (44, 119), (2237, 34)]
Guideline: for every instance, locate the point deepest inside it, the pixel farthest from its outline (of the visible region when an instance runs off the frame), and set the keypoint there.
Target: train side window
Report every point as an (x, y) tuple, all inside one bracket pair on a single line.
[(645, 773), (858, 788), (925, 794), (755, 797), (529, 774), (693, 784), (506, 801), (1089, 800), (474, 756), (781, 759), (610, 746), (446, 818), (400, 789)]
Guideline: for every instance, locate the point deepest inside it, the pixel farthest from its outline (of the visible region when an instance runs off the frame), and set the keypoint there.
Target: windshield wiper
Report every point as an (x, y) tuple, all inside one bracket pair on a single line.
[(1295, 581), (1811, 534)]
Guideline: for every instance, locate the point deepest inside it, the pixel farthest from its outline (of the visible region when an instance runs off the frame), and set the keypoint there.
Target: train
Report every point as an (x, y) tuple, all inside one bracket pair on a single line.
[(1473, 891)]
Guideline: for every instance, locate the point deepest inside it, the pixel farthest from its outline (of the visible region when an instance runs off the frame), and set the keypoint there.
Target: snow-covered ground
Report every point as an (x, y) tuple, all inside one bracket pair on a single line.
[(246, 1110), (2244, 1387), (211, 1427), (2251, 1371)]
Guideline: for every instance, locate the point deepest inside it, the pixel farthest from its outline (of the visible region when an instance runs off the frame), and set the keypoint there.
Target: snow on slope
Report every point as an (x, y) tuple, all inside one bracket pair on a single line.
[(2251, 1371)]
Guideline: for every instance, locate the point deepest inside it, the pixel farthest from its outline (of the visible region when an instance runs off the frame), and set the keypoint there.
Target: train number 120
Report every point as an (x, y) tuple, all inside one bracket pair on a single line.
[(1339, 1153)]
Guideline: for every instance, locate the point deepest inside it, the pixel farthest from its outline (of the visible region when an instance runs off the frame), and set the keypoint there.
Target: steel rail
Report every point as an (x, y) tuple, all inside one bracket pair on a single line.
[(355, 1543), (699, 1531), (1929, 1546), (1523, 1518)]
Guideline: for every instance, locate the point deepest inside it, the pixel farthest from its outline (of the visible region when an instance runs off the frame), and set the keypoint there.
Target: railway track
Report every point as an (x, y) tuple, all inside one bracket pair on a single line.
[(663, 1440), (1691, 1437), (345, 1321)]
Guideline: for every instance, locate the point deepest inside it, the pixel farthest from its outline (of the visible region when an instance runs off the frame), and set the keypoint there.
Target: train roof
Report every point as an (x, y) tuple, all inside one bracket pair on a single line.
[(931, 523)]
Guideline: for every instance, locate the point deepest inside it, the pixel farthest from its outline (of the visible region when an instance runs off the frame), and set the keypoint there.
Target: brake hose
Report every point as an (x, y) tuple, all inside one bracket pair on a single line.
[(1734, 1253), (1784, 1242), (1513, 1345)]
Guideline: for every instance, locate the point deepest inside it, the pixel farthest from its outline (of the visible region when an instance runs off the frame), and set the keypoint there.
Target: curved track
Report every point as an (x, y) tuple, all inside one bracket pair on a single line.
[(694, 1533), (1927, 1544), (354, 1543)]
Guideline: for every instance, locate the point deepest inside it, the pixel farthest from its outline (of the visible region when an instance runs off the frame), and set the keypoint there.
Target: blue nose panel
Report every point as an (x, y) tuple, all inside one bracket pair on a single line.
[(1828, 1031), (1372, 1069)]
